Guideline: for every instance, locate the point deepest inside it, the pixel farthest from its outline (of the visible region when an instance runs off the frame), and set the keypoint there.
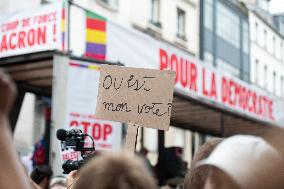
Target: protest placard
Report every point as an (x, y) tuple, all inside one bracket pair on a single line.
[(29, 31), (140, 97)]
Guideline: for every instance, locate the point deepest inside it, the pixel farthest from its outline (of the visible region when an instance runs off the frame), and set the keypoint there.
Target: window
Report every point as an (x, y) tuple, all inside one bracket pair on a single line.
[(282, 87), (208, 12), (110, 3), (274, 45), (265, 76), (256, 32), (274, 82), (228, 25), (45, 1), (281, 27), (245, 38), (181, 24), (223, 65), (155, 12), (265, 38), (281, 51), (208, 57), (256, 71)]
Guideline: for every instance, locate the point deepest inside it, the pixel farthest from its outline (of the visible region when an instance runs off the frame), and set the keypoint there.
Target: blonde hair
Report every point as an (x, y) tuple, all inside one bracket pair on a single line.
[(115, 171), (217, 179)]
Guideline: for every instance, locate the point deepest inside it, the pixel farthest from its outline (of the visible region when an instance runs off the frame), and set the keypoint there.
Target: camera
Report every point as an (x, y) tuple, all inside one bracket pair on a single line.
[(70, 165), (75, 139)]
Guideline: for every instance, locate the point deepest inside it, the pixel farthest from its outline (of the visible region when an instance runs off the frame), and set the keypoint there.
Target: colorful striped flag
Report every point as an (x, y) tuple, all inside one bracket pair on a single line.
[(95, 36), (63, 27), (90, 67)]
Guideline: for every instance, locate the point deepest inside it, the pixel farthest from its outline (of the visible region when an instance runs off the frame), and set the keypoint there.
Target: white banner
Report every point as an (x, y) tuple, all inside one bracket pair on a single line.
[(82, 91), (30, 31)]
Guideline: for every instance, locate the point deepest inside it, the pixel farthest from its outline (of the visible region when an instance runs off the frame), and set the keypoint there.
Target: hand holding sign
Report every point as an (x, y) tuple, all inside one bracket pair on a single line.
[(141, 97)]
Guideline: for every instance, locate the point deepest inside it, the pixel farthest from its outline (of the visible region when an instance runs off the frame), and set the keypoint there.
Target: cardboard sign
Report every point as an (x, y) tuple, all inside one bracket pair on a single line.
[(135, 95)]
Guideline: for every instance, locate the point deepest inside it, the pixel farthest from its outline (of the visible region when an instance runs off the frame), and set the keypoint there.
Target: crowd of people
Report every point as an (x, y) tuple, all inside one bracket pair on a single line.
[(237, 162)]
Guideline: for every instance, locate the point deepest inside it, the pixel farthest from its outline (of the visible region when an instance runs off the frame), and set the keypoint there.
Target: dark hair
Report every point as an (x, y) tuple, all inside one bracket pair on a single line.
[(40, 172)]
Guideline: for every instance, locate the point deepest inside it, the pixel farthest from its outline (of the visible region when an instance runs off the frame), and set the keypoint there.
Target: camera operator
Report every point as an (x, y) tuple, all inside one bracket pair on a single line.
[(12, 174)]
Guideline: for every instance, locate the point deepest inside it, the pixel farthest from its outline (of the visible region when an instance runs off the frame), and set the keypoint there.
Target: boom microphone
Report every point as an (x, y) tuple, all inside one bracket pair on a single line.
[(62, 134)]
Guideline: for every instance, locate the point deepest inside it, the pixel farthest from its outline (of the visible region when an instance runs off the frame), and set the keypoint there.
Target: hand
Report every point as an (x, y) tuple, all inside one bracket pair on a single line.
[(34, 185), (71, 177), (7, 93)]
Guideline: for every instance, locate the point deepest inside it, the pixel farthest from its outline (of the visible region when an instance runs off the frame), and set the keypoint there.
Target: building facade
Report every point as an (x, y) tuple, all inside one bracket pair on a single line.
[(267, 54)]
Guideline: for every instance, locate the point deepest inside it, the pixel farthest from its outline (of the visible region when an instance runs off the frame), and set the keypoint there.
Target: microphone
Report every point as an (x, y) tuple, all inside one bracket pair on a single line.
[(62, 134)]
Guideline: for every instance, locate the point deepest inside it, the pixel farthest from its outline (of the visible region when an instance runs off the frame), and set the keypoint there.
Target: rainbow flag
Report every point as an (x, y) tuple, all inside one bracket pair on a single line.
[(95, 36)]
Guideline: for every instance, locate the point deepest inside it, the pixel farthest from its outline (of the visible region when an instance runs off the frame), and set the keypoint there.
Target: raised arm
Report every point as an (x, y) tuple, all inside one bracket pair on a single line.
[(12, 174)]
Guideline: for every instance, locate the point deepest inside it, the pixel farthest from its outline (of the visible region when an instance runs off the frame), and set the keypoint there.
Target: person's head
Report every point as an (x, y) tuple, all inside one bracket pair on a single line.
[(244, 162), (58, 182), (41, 175), (217, 179), (192, 179), (115, 171)]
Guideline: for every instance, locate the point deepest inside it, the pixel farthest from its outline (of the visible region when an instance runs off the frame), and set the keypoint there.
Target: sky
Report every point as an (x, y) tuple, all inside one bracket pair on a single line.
[(276, 6)]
